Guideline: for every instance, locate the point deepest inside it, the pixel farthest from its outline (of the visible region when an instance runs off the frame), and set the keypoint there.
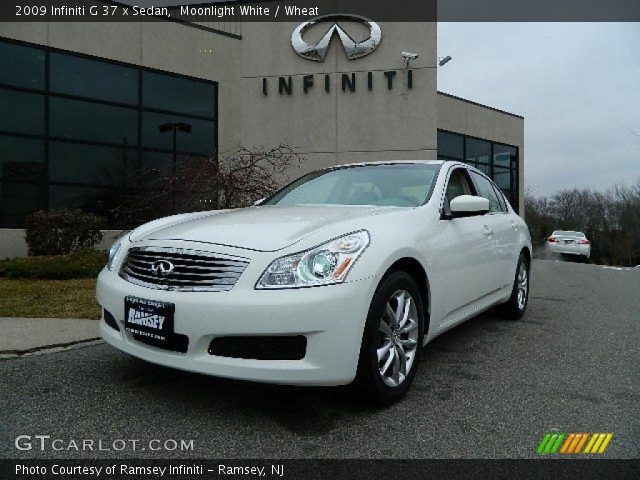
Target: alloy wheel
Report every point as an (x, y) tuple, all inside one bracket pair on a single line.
[(522, 285), (398, 338)]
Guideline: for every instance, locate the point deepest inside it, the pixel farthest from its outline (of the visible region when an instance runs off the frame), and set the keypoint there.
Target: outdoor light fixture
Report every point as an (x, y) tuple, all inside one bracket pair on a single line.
[(174, 127), (179, 126), (442, 61)]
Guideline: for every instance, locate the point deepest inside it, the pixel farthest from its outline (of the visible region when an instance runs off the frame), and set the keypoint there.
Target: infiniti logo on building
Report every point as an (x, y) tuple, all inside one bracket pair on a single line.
[(352, 49), (162, 268)]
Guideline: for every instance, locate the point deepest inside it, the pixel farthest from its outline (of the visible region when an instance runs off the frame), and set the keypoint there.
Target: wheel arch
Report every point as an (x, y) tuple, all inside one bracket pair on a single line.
[(414, 268)]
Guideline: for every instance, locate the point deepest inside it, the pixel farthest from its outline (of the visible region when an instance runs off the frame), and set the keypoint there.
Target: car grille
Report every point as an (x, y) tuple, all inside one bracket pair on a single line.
[(182, 269), (260, 347)]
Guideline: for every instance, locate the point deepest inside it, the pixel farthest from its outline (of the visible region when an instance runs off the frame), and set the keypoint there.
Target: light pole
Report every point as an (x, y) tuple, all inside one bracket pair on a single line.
[(174, 127)]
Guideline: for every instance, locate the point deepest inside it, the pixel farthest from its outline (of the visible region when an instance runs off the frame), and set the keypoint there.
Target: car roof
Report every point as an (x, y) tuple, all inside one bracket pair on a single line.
[(391, 162), (408, 162)]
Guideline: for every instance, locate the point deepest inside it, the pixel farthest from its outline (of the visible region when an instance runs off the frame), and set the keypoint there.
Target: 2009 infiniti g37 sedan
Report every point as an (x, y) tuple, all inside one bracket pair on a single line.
[(340, 277)]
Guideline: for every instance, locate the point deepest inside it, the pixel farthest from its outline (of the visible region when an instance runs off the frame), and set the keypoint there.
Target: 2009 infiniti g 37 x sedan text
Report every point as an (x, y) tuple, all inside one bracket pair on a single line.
[(339, 277)]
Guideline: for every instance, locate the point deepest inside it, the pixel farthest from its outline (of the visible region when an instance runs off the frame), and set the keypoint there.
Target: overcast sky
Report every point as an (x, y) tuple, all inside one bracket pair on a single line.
[(577, 85)]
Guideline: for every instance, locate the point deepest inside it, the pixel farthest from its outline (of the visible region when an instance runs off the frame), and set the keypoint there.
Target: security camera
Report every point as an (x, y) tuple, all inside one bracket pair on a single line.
[(408, 56)]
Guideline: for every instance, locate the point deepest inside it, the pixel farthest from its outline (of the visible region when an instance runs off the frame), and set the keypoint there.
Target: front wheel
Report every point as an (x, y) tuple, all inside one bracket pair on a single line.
[(391, 341), (517, 303)]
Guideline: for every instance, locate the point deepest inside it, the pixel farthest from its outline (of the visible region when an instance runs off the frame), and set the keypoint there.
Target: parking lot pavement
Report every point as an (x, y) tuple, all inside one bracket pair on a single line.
[(488, 388)]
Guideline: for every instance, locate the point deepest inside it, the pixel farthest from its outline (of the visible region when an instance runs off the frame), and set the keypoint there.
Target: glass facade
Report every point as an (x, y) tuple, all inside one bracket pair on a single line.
[(496, 160), (76, 131)]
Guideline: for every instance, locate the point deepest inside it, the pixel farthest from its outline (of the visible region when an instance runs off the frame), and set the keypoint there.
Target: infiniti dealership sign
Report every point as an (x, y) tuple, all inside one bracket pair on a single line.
[(352, 49)]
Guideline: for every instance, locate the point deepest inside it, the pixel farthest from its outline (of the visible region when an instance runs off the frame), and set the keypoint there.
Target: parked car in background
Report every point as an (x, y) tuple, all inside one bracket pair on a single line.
[(567, 242), (341, 276)]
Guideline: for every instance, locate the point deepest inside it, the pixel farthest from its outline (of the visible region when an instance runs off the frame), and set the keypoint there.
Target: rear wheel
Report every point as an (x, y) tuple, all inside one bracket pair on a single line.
[(391, 341), (517, 303)]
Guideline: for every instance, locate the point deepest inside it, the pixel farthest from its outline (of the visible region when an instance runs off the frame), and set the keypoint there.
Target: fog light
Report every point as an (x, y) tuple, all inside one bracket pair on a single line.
[(281, 278), (110, 320)]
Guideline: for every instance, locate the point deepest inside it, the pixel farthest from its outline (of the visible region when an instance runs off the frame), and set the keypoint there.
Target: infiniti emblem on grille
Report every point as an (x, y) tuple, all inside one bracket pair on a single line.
[(162, 268)]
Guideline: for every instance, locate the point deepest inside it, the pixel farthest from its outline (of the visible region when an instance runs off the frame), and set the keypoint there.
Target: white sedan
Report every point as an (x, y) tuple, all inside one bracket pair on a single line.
[(340, 277), (571, 243)]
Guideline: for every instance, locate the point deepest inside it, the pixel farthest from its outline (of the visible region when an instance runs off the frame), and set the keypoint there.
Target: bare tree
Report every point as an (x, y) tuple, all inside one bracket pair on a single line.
[(611, 219), (232, 179), (245, 175)]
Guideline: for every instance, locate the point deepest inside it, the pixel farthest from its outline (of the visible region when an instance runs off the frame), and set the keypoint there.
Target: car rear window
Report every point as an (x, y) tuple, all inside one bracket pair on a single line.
[(566, 233)]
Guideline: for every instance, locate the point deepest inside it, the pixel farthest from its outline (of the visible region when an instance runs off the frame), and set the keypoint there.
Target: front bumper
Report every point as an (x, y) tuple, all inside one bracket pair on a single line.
[(330, 317)]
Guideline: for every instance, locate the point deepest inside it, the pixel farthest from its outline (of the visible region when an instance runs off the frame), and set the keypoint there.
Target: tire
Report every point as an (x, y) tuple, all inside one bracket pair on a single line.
[(516, 306), (398, 342)]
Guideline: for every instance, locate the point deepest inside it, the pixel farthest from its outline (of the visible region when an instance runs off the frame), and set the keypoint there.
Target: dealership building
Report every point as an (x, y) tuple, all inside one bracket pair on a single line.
[(82, 102)]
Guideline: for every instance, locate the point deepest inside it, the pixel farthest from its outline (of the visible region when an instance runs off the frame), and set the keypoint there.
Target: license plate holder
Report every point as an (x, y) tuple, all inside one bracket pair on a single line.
[(149, 321)]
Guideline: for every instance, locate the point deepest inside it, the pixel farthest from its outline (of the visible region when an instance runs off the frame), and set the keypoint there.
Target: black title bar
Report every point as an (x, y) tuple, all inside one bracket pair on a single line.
[(318, 469), (300, 10)]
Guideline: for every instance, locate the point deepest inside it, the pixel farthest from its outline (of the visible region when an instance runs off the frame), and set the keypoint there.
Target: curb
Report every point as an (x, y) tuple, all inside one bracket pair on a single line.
[(60, 347)]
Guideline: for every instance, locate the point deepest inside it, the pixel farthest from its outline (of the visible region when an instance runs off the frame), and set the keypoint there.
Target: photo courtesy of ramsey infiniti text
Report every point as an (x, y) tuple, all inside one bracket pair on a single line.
[(340, 277)]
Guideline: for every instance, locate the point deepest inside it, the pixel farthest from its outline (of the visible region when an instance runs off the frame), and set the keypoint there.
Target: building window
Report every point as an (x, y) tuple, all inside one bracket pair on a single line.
[(450, 145), (504, 155), (22, 159), (179, 95), (201, 140), (19, 200), (82, 132), (94, 122), (496, 160), (88, 78), (108, 166), (477, 152), (21, 112), (23, 66)]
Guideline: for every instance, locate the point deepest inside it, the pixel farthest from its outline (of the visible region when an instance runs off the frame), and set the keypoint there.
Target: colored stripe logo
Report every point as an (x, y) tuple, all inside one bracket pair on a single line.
[(573, 443)]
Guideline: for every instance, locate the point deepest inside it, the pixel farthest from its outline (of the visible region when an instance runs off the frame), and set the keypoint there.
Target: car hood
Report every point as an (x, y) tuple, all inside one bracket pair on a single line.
[(266, 228)]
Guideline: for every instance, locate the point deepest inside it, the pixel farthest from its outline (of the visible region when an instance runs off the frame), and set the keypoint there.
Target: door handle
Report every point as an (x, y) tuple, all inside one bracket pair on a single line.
[(514, 226), (488, 232)]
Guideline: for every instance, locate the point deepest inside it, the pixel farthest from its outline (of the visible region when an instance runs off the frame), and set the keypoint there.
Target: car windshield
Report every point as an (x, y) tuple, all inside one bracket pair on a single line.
[(565, 233), (398, 185)]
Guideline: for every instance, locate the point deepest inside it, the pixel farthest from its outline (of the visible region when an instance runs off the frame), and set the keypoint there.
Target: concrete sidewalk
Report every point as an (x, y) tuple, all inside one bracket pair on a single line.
[(25, 335)]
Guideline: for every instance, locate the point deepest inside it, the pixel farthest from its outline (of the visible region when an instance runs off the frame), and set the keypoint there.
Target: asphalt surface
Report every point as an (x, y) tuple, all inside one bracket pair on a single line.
[(489, 388)]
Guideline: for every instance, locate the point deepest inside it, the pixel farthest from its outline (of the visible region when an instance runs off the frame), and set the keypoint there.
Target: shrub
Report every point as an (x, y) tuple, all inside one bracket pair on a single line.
[(59, 232), (83, 263)]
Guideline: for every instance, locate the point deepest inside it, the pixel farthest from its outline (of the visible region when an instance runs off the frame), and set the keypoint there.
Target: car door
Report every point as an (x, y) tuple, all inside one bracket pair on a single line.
[(504, 237), (467, 249)]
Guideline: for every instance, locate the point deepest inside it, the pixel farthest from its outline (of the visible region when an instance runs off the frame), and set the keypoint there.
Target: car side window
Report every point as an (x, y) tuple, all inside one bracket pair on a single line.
[(485, 189), (458, 185), (501, 199)]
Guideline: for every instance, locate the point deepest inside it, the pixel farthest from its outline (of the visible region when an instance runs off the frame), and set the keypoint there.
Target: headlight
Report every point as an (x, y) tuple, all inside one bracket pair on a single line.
[(323, 265), (114, 251)]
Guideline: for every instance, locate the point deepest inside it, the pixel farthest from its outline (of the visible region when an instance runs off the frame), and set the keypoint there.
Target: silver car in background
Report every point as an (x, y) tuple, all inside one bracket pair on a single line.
[(569, 243)]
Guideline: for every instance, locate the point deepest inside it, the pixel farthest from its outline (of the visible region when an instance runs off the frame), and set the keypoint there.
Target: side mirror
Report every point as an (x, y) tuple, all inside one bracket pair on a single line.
[(258, 202), (468, 206)]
